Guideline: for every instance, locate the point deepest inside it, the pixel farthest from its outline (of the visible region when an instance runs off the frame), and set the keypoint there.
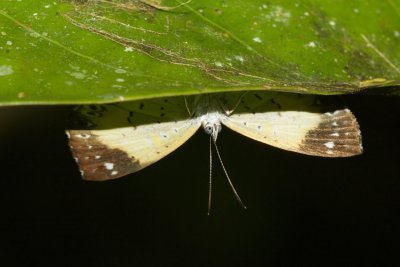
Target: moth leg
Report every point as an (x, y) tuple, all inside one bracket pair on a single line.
[(191, 113), (230, 111)]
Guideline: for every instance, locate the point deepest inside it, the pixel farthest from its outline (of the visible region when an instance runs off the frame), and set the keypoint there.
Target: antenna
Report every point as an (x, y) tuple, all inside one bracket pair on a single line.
[(227, 177), (210, 180)]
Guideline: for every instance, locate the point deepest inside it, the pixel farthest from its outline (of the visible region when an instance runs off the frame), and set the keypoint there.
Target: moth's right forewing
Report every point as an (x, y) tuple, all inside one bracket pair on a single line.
[(110, 141), (112, 153)]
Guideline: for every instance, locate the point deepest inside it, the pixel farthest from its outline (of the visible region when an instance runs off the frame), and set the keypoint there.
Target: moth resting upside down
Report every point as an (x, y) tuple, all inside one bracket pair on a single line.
[(113, 140)]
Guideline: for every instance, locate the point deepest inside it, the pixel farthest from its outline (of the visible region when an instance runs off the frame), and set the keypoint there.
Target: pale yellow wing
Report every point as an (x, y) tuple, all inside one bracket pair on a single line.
[(292, 123), (110, 141)]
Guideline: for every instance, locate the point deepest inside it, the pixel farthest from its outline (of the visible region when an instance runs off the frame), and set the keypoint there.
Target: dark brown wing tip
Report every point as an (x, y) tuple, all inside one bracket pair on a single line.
[(96, 161), (337, 135)]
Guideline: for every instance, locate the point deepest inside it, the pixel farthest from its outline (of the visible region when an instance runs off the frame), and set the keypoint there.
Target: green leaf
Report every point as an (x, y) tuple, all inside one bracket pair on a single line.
[(98, 51)]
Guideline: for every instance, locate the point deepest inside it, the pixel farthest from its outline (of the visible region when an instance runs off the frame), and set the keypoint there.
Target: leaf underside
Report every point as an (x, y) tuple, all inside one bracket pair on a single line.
[(98, 51)]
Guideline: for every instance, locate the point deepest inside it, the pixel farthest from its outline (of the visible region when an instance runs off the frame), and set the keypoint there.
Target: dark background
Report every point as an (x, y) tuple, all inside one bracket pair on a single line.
[(301, 210)]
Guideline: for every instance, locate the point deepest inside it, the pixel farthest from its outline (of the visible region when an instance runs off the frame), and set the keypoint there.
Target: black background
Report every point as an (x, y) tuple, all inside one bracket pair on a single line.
[(301, 210)]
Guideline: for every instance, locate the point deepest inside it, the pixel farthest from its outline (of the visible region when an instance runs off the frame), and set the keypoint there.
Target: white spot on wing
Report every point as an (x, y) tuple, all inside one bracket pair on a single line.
[(84, 136), (109, 166), (330, 144)]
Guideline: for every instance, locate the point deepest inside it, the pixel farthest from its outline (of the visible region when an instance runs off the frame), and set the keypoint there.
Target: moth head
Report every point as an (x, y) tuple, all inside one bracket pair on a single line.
[(212, 128)]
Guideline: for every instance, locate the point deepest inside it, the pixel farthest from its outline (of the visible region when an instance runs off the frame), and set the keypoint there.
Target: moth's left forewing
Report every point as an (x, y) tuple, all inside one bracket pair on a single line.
[(320, 134), (294, 122)]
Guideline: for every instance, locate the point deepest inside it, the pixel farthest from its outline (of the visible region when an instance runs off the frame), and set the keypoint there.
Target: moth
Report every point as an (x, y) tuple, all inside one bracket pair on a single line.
[(113, 140)]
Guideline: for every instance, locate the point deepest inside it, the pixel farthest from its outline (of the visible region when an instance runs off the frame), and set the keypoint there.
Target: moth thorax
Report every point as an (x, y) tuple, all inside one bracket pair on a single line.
[(211, 125)]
